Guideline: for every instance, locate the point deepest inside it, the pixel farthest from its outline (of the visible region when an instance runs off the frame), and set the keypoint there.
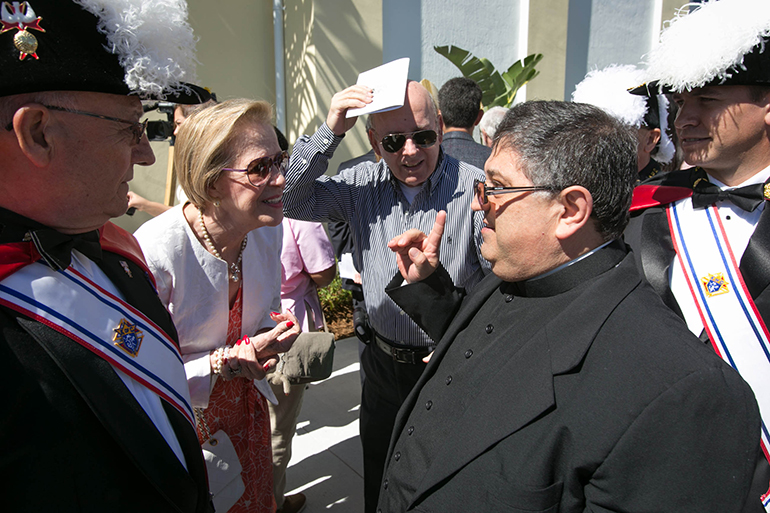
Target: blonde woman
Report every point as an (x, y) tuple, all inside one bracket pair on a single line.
[(216, 259)]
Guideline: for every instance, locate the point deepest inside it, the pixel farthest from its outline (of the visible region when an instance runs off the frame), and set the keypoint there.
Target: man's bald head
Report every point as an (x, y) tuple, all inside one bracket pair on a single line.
[(413, 163)]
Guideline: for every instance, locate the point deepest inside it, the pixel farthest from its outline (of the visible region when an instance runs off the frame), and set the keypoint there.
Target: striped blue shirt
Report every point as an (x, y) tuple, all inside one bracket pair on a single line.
[(369, 199)]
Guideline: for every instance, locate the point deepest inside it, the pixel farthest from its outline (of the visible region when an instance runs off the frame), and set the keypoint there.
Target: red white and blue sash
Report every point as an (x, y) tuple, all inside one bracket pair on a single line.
[(75, 306), (729, 315)]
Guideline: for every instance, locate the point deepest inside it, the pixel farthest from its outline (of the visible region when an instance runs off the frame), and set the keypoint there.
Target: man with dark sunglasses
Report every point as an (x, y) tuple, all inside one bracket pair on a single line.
[(97, 406), (411, 183), (562, 382)]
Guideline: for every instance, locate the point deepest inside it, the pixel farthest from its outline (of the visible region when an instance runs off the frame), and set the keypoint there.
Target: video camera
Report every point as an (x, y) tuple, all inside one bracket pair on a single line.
[(161, 130)]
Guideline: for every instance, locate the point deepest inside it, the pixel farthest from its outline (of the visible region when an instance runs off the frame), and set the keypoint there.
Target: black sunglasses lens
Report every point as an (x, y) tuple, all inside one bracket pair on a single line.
[(425, 138), (393, 143)]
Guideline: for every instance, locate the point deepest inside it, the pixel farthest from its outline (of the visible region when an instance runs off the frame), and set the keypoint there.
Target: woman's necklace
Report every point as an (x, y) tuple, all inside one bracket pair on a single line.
[(235, 267)]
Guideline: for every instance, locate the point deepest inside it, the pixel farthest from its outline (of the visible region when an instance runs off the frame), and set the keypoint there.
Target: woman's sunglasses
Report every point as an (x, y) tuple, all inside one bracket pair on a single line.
[(259, 170), (422, 138)]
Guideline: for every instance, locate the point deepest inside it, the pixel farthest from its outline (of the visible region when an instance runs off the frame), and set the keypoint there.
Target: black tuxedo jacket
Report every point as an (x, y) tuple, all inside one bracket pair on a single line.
[(612, 405), (76, 439), (649, 236)]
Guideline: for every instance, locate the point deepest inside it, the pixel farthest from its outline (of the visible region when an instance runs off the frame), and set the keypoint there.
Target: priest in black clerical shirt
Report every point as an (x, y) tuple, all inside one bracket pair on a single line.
[(562, 383)]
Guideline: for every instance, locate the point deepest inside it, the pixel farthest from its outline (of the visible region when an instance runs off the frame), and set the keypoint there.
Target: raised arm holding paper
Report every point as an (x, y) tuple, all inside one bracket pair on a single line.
[(408, 186)]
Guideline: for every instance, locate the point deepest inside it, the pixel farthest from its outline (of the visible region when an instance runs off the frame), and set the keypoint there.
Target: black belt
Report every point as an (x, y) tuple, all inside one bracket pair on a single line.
[(401, 354)]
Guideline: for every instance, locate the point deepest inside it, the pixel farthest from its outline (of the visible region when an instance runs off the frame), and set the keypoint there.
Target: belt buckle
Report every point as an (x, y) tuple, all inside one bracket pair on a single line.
[(402, 355)]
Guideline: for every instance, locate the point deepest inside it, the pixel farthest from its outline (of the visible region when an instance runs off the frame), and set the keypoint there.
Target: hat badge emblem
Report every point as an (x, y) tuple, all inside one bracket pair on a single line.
[(21, 16)]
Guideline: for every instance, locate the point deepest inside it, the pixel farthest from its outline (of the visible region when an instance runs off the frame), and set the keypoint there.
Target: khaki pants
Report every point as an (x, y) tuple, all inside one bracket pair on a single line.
[(283, 422)]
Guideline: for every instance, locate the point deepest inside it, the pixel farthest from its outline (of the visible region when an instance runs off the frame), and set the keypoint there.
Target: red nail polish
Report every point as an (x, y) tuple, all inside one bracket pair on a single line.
[(274, 313), (289, 324), (266, 366), (247, 341)]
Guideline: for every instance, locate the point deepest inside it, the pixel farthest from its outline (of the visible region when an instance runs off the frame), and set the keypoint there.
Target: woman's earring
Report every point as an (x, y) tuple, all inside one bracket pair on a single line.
[(217, 203)]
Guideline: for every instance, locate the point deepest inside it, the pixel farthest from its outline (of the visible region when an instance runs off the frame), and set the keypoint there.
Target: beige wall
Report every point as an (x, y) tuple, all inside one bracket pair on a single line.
[(548, 35), (327, 43)]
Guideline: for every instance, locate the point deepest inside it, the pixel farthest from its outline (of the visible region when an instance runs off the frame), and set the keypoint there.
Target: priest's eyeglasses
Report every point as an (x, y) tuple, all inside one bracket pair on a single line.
[(137, 127), (260, 170), (483, 191)]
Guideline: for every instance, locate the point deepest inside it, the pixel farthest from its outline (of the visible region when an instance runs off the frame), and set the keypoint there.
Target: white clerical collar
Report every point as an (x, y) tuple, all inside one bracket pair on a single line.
[(760, 177), (573, 261)]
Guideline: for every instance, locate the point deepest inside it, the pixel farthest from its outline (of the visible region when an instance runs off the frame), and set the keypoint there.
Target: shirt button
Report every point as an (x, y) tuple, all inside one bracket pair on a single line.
[(326, 141), (396, 457), (385, 484), (429, 405), (410, 430), (304, 161), (489, 329), (468, 353), (448, 379), (509, 298)]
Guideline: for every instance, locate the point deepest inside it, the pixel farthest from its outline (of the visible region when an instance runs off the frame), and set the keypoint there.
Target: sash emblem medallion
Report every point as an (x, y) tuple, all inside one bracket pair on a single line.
[(128, 337), (715, 284)]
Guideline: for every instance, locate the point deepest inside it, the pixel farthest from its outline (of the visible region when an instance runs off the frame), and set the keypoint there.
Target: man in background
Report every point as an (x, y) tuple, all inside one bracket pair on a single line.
[(608, 89), (489, 122), (459, 101)]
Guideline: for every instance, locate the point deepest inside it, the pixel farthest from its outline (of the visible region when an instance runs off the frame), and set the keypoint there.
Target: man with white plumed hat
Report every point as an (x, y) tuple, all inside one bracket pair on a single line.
[(97, 414), (702, 235)]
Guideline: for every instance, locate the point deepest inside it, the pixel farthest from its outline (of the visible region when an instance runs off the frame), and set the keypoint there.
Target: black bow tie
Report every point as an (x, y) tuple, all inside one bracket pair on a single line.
[(56, 247), (747, 198)]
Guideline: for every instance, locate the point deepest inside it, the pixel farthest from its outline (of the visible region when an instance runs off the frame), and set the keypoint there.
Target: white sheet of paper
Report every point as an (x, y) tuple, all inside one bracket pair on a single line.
[(389, 84), (346, 267)]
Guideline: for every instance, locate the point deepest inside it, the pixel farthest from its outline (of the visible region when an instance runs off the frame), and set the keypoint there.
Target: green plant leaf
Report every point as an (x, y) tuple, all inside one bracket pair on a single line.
[(497, 89)]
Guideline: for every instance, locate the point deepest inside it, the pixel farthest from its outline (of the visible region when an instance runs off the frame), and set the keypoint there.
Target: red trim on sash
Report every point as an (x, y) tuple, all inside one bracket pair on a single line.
[(117, 240), (16, 255), (646, 196)]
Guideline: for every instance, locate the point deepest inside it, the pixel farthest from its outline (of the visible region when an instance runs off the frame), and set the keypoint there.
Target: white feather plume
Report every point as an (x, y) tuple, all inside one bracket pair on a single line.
[(700, 46), (608, 89), (152, 40)]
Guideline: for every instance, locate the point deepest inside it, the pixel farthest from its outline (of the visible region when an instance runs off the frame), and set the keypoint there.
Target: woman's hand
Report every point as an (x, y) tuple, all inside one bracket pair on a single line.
[(253, 356)]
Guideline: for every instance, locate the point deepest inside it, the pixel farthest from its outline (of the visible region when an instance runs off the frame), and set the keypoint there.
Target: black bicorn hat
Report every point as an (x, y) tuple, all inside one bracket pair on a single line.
[(144, 48), (725, 42)]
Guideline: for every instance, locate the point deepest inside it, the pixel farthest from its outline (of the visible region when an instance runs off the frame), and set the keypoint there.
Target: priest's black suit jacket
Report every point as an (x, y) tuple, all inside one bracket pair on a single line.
[(75, 437), (590, 395)]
